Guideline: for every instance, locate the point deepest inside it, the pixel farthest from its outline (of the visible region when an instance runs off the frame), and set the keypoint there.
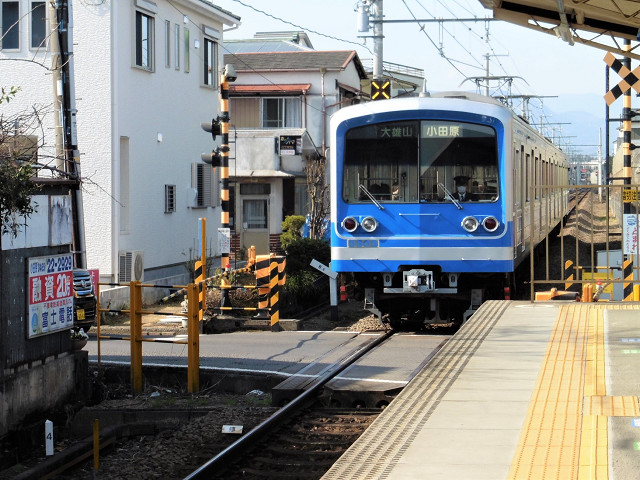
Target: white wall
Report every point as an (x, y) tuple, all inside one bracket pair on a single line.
[(114, 99), (172, 103)]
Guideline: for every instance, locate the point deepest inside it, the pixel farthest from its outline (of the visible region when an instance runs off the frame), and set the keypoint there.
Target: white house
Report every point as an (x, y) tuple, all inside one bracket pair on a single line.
[(146, 76)]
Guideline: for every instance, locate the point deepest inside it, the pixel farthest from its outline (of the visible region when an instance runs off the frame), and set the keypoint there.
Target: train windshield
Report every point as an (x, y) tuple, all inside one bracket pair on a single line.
[(420, 161)]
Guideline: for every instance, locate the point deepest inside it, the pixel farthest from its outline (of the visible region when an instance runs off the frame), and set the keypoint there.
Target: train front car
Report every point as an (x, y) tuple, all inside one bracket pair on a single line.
[(419, 210)]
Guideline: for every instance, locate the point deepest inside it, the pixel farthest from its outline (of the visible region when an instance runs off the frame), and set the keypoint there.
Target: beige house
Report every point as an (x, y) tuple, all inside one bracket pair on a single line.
[(280, 106)]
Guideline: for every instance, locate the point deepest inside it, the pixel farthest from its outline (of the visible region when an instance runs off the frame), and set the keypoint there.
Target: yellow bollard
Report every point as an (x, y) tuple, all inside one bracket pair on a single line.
[(636, 293), (193, 338), (135, 295), (587, 293)]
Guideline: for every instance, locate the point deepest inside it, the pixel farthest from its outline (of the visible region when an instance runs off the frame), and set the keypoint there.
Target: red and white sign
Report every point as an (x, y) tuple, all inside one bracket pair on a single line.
[(50, 303)]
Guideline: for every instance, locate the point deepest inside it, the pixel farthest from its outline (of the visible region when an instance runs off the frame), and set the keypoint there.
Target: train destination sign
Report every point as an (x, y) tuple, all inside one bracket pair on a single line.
[(445, 130), (401, 130), (50, 289)]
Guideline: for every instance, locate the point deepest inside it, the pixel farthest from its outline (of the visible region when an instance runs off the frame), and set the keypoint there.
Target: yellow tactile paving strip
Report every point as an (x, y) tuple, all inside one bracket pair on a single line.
[(565, 433)]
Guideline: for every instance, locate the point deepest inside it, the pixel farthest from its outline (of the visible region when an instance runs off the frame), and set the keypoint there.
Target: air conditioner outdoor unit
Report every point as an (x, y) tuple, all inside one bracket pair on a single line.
[(131, 266)]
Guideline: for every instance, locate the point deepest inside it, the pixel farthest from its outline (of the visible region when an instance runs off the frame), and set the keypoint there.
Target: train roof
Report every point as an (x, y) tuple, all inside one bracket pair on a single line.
[(455, 101)]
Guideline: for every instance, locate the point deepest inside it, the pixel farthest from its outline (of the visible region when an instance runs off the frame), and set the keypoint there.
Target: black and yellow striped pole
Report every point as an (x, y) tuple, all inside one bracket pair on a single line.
[(626, 173), (220, 158), (227, 76)]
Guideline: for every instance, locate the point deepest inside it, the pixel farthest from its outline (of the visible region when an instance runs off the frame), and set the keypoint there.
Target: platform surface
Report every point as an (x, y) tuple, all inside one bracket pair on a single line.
[(524, 390)]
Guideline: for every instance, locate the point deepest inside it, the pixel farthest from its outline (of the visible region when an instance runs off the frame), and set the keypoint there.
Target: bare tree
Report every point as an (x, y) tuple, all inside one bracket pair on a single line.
[(16, 170), (318, 190)]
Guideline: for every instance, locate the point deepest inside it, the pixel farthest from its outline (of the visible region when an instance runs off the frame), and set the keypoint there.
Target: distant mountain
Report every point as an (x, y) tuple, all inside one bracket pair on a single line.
[(585, 116)]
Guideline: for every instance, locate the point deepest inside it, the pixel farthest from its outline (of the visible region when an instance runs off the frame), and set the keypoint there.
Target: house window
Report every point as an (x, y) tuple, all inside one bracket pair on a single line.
[(245, 112), (206, 183), (38, 24), (176, 45), (167, 43), (210, 62), (281, 112), (254, 214), (169, 198), (186, 50), (255, 188), (266, 112), (10, 35), (301, 206), (144, 41)]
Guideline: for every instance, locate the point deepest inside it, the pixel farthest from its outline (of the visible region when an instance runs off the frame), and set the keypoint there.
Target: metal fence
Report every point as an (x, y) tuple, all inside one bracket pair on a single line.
[(596, 248)]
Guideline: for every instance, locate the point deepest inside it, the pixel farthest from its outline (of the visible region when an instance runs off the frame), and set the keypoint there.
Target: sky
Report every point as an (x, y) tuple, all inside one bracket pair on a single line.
[(450, 52)]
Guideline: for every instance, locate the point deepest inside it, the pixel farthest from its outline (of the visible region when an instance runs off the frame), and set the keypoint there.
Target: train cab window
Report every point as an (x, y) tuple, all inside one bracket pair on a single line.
[(381, 163), (417, 161), (458, 156)]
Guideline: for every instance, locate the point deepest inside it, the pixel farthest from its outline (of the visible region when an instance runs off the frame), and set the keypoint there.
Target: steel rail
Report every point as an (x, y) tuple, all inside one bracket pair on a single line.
[(239, 447)]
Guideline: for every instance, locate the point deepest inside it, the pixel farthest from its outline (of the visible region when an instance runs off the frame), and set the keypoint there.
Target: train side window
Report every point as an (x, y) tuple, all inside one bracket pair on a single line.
[(527, 176)]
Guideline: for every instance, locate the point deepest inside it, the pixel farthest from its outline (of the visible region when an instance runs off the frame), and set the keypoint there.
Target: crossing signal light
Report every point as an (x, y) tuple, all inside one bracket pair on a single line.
[(381, 89), (214, 158), (214, 127)]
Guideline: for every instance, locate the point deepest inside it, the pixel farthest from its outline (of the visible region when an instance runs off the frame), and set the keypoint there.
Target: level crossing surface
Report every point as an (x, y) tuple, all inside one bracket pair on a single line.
[(250, 352), (543, 390)]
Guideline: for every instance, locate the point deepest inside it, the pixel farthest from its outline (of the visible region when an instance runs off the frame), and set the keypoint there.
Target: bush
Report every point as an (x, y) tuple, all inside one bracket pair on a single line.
[(302, 251), (291, 230), (303, 291)]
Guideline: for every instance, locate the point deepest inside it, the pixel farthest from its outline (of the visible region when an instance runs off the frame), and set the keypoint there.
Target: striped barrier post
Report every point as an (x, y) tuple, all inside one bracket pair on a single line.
[(277, 278), (274, 295), (199, 276), (262, 282), (627, 275), (568, 274)]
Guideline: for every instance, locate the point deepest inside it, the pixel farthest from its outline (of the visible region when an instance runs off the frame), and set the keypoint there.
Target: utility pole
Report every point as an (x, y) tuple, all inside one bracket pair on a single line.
[(377, 39), (64, 16), (56, 66), (373, 8)]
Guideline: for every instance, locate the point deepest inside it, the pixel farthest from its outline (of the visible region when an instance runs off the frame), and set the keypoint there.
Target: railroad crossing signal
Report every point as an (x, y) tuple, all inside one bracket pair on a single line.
[(381, 89), (629, 79)]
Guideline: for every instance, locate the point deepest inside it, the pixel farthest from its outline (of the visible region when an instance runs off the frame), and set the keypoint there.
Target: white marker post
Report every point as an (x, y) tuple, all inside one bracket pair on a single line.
[(48, 437), (333, 287)]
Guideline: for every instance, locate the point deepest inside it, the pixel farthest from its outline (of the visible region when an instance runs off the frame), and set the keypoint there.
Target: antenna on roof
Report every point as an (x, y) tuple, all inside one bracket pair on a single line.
[(424, 92)]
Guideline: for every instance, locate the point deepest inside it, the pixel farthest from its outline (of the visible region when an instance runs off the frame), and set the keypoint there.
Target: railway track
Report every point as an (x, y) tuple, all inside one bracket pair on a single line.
[(304, 447), (301, 440)]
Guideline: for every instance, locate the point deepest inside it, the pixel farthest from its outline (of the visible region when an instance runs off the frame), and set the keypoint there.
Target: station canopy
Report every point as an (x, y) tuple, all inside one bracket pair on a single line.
[(601, 24)]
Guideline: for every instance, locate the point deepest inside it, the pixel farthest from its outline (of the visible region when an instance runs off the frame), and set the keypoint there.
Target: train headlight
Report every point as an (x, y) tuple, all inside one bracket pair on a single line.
[(369, 224), (349, 224), (490, 224), (470, 224)]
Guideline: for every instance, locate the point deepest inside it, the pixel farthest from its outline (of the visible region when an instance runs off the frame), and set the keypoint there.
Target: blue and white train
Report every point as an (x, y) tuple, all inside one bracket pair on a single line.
[(431, 201)]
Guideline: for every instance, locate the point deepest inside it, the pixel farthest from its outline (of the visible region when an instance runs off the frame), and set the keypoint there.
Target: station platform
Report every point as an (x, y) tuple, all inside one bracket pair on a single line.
[(523, 390)]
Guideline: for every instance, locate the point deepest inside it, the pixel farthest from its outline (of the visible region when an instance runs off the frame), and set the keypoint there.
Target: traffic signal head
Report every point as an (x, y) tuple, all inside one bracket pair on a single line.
[(380, 89), (213, 127)]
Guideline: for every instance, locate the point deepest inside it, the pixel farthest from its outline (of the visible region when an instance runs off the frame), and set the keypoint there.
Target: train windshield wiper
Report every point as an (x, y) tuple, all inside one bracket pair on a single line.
[(371, 197), (448, 195)]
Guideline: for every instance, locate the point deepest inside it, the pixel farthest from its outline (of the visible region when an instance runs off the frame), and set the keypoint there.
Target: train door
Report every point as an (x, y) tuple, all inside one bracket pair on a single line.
[(518, 221)]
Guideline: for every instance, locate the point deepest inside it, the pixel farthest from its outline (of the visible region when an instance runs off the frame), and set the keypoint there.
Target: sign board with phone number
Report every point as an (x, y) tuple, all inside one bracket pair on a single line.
[(50, 289)]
